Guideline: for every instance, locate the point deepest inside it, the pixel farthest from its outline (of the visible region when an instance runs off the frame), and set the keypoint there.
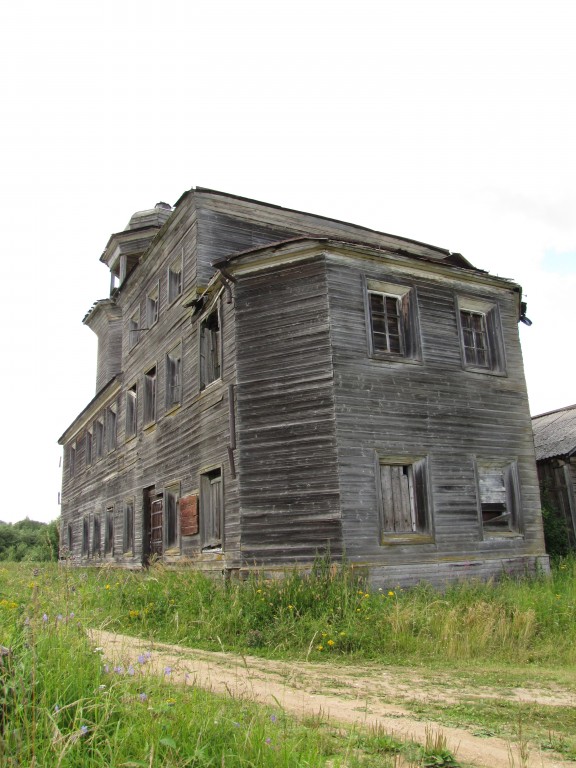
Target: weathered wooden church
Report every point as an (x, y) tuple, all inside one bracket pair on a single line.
[(272, 383)]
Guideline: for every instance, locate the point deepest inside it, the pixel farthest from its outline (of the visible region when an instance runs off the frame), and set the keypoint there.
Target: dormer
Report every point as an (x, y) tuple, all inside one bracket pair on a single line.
[(125, 248)]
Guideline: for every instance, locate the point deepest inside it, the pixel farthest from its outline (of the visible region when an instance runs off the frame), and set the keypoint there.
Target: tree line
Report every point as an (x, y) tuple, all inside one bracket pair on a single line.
[(29, 540)]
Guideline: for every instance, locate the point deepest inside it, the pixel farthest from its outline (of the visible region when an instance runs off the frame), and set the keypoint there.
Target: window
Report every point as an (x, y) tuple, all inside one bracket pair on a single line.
[(111, 427), (404, 498), (210, 350), (499, 497), (171, 497), (70, 538), (109, 532), (128, 544), (88, 447), (393, 325), (131, 411), (72, 460), (152, 306), (174, 280), (211, 509), (85, 537), (99, 438), (480, 336), (96, 542), (174, 377), (150, 396), (134, 329)]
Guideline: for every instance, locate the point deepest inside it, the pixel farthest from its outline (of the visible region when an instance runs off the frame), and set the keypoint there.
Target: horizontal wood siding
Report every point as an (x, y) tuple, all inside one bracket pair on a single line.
[(289, 493), (434, 409)]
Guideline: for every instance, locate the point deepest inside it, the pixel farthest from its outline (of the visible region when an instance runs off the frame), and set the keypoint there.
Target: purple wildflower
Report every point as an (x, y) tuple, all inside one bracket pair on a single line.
[(59, 617), (45, 617), (106, 668), (130, 670), (141, 659), (56, 708), (72, 615), (268, 740), (147, 655), (167, 670), (273, 718), (119, 669), (84, 730), (143, 697)]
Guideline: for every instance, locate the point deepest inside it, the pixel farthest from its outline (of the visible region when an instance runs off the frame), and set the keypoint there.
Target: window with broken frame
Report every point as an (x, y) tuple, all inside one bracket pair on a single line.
[(392, 321), (210, 349), (498, 497)]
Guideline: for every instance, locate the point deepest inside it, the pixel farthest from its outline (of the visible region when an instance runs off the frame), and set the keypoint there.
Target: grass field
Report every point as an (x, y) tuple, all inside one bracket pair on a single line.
[(62, 707)]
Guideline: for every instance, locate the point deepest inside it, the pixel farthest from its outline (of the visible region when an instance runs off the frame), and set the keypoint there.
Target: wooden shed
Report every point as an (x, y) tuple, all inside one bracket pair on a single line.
[(555, 444), (272, 384)]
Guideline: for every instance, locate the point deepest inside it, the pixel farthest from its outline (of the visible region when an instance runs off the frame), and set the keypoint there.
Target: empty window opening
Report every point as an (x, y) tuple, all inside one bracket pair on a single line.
[(150, 396), (111, 427), (499, 498), (131, 411), (171, 498), (128, 526), (85, 537), (96, 538), (134, 330), (174, 280), (109, 532), (174, 377), (210, 350), (88, 447), (99, 438), (152, 306)]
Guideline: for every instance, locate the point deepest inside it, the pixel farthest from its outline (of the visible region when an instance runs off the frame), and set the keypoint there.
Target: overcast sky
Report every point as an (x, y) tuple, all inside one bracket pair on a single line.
[(448, 122)]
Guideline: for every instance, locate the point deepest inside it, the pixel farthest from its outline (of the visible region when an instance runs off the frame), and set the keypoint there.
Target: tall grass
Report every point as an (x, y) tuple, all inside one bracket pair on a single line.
[(329, 613)]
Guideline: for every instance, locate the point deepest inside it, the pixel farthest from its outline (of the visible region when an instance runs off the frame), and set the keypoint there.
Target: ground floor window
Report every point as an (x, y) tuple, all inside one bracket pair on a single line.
[(404, 497), (171, 497), (128, 544), (109, 532), (211, 509), (499, 497)]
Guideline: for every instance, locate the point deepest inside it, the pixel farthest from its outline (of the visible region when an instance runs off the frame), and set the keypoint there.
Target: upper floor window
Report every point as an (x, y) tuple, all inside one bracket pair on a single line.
[(152, 306), (393, 326), (88, 447), (174, 377), (150, 396), (131, 411), (99, 438), (72, 460), (210, 349), (480, 335), (134, 329), (174, 280), (111, 427)]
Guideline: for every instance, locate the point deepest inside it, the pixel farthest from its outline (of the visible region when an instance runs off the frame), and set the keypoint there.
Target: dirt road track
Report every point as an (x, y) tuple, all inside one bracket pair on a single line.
[(352, 695)]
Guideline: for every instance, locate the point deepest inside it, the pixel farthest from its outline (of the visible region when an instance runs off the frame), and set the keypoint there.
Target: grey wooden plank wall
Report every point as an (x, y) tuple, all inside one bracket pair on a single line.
[(287, 451), (433, 409)]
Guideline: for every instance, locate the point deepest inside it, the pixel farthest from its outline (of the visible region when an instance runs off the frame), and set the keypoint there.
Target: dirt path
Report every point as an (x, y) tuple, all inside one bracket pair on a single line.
[(353, 695)]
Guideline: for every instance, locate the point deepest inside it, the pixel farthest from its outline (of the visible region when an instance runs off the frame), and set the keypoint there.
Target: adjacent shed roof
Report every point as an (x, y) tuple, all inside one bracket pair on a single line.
[(555, 433)]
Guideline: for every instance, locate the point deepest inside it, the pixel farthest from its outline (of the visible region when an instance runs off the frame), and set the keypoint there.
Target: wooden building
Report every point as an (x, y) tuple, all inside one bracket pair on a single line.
[(555, 444), (272, 383)]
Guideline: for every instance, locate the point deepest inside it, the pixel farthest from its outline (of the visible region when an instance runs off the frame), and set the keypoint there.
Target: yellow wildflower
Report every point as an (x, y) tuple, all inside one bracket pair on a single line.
[(330, 642), (390, 594), (320, 647)]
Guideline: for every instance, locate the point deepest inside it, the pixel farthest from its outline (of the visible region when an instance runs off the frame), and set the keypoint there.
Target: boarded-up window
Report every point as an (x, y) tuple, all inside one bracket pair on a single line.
[(128, 538), (211, 509), (174, 377), (404, 497), (150, 396), (109, 532), (499, 497), (481, 335), (131, 411), (171, 496), (392, 319), (210, 349)]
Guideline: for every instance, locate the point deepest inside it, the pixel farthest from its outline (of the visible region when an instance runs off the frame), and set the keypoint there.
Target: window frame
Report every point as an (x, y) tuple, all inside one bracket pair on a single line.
[(489, 311), (171, 531), (96, 536), (128, 526), (85, 536), (212, 519), (111, 427), (408, 320), (508, 471), (88, 452), (173, 377), (72, 459), (109, 531), (153, 305), (131, 412), (98, 427), (175, 279), (150, 396), (134, 329), (417, 493), (210, 356)]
